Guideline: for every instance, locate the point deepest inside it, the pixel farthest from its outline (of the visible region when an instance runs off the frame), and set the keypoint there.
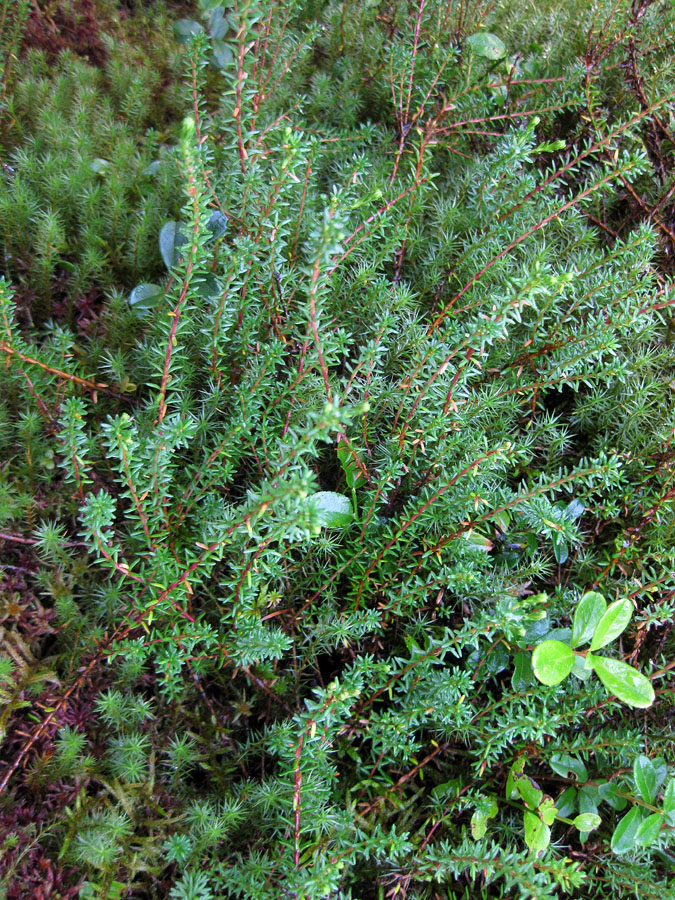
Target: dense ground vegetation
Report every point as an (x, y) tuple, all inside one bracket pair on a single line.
[(337, 376)]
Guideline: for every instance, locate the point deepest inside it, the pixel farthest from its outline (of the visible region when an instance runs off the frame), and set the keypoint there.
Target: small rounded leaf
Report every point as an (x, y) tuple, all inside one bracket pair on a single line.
[(185, 29), (563, 764), (614, 620), (217, 223), (622, 680), (587, 821), (547, 810), (145, 297), (170, 240), (609, 792), (590, 610), (334, 510), (487, 45), (223, 54), (552, 662)]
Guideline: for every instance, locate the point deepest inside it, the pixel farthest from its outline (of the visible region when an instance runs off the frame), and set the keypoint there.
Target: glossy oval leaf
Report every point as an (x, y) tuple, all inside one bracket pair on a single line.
[(170, 240), (560, 548), (537, 834), (217, 223), (581, 668), (548, 810), (529, 790), (563, 764), (185, 29), (646, 779), (669, 802), (590, 610), (614, 620), (487, 45), (223, 55), (552, 662), (622, 680), (587, 821), (218, 24), (145, 297), (523, 676), (609, 792), (334, 510), (648, 831), (567, 802), (623, 838)]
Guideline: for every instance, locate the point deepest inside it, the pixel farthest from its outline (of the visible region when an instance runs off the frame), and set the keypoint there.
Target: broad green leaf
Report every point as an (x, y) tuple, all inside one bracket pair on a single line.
[(587, 821), (334, 510), (523, 675), (537, 834), (185, 29), (644, 773), (563, 764), (609, 793), (145, 297), (589, 797), (536, 630), (622, 680), (478, 541), (567, 802), (581, 668), (208, 286), (623, 838), (552, 662), (560, 634), (661, 770), (487, 45), (648, 831), (576, 508), (560, 548), (588, 613), (223, 54), (478, 825), (218, 24), (529, 791), (669, 802), (548, 810), (207, 5), (170, 240), (514, 771), (613, 622), (217, 223)]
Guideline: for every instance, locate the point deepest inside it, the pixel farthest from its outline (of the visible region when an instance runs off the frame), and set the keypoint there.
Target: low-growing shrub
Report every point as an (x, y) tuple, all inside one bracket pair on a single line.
[(394, 410)]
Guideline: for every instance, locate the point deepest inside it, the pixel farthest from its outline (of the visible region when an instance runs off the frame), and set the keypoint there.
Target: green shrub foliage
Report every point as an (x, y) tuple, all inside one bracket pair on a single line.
[(381, 405)]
